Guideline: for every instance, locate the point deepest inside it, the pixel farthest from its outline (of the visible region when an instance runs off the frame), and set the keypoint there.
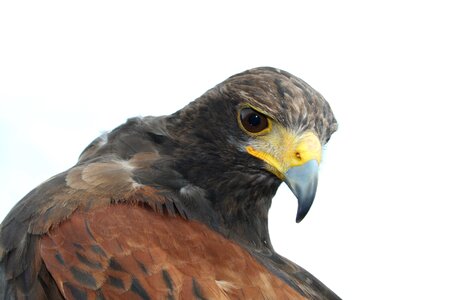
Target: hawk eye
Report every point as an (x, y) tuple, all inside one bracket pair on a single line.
[(253, 121)]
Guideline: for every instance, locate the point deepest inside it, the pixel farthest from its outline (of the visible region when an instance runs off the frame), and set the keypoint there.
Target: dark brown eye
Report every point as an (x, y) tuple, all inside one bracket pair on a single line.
[(253, 121)]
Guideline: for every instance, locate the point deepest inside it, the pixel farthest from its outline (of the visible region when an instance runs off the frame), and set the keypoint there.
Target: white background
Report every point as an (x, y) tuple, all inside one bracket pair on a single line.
[(379, 228)]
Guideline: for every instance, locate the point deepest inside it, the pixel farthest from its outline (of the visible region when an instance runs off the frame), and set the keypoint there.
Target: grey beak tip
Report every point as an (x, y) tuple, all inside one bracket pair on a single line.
[(300, 216), (302, 180)]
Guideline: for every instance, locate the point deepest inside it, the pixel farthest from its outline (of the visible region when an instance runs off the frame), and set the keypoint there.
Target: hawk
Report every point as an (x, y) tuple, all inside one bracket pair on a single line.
[(176, 207)]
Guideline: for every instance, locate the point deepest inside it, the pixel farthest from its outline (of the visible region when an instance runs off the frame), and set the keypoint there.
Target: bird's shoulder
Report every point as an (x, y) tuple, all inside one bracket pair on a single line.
[(22, 271)]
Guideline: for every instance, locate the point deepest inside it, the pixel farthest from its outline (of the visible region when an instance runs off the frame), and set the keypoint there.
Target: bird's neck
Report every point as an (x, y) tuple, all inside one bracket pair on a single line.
[(243, 209), (237, 203)]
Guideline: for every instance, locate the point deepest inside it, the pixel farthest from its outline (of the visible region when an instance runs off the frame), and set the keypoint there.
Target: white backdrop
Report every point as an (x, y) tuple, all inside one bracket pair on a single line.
[(379, 228)]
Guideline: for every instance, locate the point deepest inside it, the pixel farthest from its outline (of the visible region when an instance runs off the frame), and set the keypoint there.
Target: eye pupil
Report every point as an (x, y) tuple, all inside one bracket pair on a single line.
[(253, 121)]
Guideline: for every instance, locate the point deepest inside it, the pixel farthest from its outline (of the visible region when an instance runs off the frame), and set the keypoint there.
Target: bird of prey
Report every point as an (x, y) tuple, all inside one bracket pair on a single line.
[(176, 206)]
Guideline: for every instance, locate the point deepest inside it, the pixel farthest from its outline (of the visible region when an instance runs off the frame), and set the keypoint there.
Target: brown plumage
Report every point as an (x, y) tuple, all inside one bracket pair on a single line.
[(132, 252), (175, 207)]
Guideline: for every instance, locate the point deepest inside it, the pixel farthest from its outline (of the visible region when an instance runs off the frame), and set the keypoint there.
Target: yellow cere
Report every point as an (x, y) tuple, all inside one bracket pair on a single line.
[(282, 149)]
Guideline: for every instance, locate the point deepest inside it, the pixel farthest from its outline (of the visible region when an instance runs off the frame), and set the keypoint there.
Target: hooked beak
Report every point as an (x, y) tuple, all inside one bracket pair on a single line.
[(296, 162), (302, 180)]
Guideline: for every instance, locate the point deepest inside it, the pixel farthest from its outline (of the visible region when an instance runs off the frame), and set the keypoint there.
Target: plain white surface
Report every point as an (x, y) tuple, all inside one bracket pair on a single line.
[(379, 228)]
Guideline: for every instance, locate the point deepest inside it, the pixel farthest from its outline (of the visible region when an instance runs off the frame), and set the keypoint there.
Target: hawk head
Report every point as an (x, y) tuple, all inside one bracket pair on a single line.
[(248, 134)]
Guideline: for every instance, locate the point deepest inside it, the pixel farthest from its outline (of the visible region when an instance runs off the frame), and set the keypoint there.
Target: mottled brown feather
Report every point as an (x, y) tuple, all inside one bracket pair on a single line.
[(126, 248)]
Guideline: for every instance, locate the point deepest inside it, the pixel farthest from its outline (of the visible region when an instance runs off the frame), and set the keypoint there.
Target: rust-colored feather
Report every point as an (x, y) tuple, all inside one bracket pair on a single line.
[(130, 251)]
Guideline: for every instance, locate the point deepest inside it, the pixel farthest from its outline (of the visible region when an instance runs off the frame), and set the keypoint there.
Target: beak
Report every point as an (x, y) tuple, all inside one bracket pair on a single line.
[(302, 180), (296, 162)]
